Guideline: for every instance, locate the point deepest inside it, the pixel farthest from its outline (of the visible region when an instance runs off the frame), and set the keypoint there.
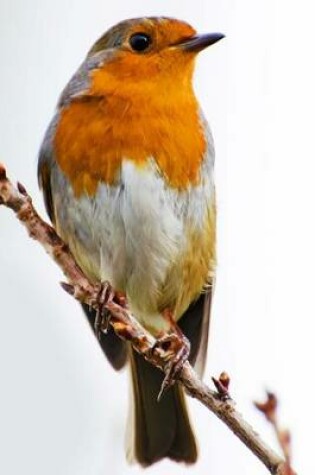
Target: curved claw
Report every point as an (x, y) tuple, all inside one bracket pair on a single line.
[(176, 349), (102, 317)]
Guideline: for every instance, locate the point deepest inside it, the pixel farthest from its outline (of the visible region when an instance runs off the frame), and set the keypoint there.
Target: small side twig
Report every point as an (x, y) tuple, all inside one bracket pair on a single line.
[(222, 385), (269, 409), (128, 328)]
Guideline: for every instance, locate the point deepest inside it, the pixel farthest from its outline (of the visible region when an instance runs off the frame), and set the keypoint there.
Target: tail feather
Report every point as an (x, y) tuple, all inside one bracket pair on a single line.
[(161, 429)]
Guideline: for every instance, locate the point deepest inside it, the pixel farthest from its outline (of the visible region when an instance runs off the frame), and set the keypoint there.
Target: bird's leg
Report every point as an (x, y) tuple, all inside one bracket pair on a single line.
[(105, 295), (176, 348)]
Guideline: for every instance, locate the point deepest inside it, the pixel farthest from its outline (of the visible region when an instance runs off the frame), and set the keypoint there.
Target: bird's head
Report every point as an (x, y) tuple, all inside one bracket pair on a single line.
[(150, 51)]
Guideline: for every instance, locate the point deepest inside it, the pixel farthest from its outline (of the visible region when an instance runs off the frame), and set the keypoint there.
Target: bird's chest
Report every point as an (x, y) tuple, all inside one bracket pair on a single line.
[(93, 138)]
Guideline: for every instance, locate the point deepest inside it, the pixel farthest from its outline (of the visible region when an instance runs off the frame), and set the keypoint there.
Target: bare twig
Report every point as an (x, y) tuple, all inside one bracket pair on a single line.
[(128, 328), (269, 409)]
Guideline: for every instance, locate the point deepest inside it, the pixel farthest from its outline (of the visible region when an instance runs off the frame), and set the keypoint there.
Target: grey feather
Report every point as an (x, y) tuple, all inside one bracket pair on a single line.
[(79, 84)]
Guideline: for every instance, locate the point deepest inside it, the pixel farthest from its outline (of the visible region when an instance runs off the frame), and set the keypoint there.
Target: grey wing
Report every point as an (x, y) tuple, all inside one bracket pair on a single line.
[(113, 347), (46, 164)]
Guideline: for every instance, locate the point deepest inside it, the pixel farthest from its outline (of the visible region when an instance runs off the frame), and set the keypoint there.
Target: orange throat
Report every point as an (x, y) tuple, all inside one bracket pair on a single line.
[(96, 132)]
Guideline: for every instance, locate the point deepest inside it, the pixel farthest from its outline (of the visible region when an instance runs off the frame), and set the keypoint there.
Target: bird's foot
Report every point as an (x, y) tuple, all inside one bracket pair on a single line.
[(175, 348), (105, 294)]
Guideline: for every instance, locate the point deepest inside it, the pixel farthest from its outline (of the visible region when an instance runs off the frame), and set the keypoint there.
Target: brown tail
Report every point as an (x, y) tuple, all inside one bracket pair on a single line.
[(161, 429)]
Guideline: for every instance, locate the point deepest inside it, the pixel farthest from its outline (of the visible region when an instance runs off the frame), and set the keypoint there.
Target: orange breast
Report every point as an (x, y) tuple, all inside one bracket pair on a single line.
[(95, 133)]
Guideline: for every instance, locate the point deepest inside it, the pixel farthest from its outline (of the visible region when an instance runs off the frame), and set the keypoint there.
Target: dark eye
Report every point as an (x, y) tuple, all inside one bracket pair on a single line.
[(140, 41)]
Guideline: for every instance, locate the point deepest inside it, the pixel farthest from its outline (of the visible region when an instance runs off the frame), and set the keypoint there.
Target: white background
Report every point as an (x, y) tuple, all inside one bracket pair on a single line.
[(62, 408)]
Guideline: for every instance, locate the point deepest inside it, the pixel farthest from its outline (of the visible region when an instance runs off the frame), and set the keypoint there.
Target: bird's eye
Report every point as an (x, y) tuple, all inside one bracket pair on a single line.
[(140, 41)]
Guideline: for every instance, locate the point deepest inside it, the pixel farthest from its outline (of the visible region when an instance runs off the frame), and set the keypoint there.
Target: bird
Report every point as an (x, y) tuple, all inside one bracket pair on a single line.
[(126, 168)]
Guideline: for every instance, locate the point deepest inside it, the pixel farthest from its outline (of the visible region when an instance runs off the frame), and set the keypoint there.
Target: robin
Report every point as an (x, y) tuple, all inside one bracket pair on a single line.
[(126, 169)]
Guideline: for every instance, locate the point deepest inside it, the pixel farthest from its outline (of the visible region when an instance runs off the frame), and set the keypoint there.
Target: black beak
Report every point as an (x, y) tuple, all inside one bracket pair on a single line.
[(199, 42)]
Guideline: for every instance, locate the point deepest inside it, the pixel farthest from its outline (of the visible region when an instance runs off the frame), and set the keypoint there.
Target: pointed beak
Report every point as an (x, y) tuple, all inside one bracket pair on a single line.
[(199, 42)]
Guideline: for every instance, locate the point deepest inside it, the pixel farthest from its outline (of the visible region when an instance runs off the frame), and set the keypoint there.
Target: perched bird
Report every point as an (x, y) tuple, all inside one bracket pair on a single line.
[(126, 168)]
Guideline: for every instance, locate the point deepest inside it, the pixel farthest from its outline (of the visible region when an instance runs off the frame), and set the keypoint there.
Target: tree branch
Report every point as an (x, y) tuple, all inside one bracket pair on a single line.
[(127, 327)]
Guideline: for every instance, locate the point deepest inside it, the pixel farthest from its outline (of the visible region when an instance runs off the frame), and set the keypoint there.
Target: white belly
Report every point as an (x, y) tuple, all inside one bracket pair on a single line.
[(133, 233)]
